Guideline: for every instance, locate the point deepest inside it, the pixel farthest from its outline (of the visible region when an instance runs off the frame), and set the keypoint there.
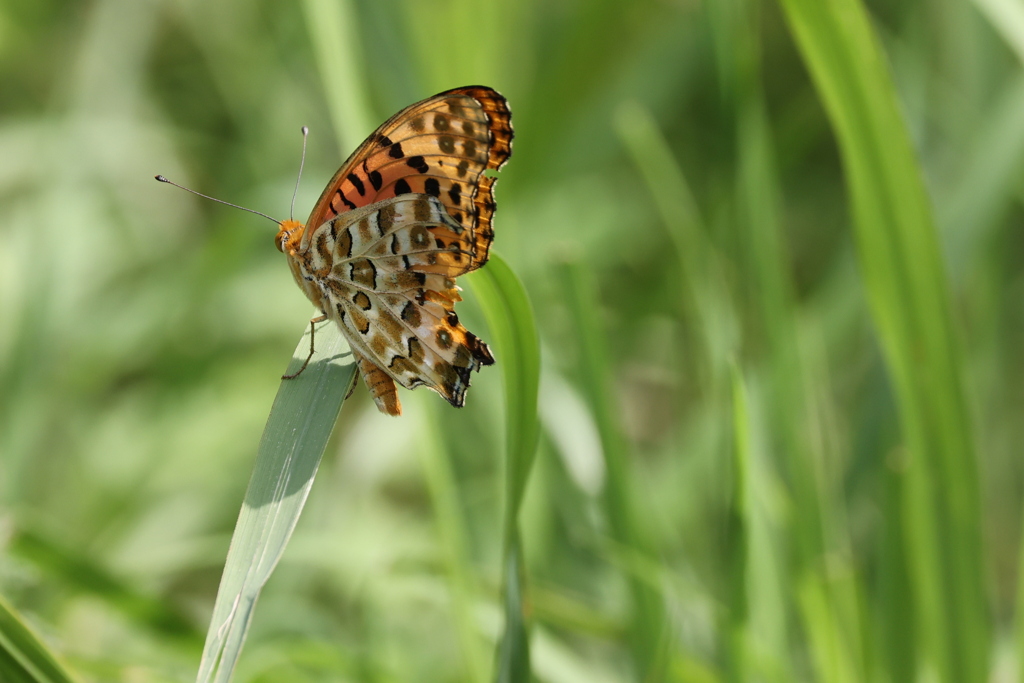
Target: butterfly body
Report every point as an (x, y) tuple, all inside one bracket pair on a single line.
[(408, 213)]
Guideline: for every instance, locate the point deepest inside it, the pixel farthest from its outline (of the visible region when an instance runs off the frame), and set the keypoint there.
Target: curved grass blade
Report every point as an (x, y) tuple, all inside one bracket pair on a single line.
[(510, 319), (300, 424), (335, 37), (452, 539), (737, 613), (23, 656), (704, 294), (907, 289), (648, 632)]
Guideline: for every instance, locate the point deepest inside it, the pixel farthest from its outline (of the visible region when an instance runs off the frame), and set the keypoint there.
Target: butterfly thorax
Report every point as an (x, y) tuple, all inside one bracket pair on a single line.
[(289, 241)]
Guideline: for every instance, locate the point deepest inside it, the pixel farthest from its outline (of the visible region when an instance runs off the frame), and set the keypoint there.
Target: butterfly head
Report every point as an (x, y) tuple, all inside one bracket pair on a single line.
[(289, 235)]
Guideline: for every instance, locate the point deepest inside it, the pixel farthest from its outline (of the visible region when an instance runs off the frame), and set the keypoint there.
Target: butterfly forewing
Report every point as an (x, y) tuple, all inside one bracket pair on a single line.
[(413, 233), (439, 147)]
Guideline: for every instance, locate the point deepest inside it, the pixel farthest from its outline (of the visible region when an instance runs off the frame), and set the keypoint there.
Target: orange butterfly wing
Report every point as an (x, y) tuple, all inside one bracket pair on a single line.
[(441, 147)]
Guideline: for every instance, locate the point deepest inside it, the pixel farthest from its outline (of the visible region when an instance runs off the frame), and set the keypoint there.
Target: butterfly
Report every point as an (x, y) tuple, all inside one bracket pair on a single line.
[(409, 211)]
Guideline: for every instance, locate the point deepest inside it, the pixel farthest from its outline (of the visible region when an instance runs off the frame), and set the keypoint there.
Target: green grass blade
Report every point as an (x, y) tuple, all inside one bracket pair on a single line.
[(970, 213), (907, 290), (335, 37), (1007, 19), (452, 533), (23, 656), (1018, 626), (647, 630), (300, 424), (511, 322), (738, 553), (79, 571), (704, 291), (513, 656)]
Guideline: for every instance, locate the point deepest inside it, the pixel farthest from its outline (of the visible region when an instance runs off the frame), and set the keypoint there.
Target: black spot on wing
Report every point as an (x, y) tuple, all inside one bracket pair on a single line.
[(415, 347), (363, 273), (432, 187), (386, 219), (357, 183), (376, 180), (321, 248), (362, 301), (401, 187), (343, 245), (418, 163), (343, 198), (411, 315)]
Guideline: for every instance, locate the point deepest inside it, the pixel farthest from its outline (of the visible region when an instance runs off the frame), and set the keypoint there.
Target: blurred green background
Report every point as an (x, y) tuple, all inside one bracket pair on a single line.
[(782, 388)]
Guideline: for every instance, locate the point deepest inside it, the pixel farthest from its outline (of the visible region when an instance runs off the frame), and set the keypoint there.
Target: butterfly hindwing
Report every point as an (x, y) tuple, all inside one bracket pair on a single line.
[(391, 289)]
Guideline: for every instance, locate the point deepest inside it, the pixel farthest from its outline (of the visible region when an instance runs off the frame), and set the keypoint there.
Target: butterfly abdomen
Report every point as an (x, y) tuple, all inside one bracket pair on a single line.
[(381, 386)]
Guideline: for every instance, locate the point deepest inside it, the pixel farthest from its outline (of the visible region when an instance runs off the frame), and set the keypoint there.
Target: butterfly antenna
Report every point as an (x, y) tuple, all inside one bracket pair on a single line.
[(305, 134), (219, 201)]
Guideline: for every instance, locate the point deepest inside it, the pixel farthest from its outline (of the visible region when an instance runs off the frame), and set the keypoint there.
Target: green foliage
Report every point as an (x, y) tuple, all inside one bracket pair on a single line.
[(23, 657), (908, 292), (510, 318), (771, 253)]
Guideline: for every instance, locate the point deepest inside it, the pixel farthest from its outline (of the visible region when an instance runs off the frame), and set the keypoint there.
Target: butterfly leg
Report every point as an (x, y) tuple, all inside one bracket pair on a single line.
[(381, 386), (351, 386), (312, 334)]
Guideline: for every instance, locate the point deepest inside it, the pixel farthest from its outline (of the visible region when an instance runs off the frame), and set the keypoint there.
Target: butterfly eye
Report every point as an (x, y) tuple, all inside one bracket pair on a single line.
[(282, 237)]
